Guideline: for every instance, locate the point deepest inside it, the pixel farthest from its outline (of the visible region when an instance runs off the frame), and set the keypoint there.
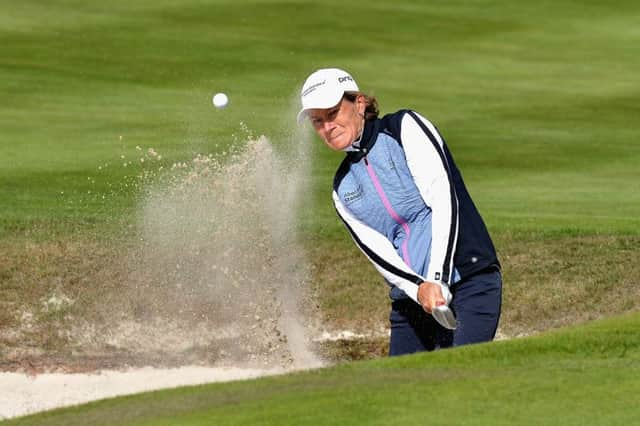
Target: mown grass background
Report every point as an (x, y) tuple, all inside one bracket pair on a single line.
[(539, 103)]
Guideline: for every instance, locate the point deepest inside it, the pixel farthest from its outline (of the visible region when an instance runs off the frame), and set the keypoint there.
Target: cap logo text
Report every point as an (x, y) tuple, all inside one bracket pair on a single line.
[(345, 78), (312, 88)]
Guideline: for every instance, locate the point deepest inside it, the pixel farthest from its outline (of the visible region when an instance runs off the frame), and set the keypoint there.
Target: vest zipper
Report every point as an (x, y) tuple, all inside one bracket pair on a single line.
[(395, 216)]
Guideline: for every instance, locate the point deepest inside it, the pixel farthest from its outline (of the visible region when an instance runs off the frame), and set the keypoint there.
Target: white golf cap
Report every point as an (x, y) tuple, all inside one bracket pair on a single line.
[(324, 89)]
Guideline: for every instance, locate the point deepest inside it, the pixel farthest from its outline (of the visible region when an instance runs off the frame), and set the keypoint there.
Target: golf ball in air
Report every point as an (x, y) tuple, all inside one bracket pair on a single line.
[(220, 100)]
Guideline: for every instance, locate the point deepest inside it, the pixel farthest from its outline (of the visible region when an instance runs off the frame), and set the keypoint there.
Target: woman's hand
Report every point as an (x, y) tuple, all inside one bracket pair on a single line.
[(430, 296)]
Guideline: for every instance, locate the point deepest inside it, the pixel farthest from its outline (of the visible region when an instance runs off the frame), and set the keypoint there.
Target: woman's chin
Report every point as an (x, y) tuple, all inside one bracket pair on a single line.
[(338, 144)]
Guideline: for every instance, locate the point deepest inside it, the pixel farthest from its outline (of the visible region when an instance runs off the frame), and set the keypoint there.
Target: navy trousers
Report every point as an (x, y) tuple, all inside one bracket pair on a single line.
[(476, 303)]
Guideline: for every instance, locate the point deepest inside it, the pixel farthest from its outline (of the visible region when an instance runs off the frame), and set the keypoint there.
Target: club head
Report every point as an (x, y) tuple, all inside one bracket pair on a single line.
[(445, 317)]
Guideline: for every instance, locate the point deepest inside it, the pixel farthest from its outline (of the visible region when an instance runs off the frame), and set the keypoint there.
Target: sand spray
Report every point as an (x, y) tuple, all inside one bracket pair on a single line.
[(218, 273)]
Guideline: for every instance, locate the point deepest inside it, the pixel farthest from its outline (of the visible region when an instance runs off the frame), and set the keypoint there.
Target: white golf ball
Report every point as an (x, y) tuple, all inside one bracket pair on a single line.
[(220, 100)]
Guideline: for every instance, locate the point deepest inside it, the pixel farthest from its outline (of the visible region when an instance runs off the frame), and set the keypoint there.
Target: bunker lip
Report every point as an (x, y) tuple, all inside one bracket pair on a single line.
[(27, 385), (34, 384), (33, 364)]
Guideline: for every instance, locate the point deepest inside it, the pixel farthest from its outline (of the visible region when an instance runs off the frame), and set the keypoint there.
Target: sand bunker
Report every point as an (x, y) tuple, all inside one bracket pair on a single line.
[(21, 394)]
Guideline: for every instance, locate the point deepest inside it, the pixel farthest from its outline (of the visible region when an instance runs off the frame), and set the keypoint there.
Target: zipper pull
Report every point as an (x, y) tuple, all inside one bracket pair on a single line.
[(365, 152)]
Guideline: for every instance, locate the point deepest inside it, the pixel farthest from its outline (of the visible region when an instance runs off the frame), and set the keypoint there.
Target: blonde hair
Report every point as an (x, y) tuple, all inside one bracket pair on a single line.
[(371, 110)]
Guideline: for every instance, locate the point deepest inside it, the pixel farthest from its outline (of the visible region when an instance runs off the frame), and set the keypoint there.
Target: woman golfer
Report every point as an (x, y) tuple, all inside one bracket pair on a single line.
[(403, 200)]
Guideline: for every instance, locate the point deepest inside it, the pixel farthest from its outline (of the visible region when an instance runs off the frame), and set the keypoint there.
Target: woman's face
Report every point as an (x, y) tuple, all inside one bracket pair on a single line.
[(340, 125)]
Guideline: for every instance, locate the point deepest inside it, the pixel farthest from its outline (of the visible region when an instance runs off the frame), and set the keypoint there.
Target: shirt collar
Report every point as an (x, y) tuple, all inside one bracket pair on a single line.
[(355, 146), (363, 145)]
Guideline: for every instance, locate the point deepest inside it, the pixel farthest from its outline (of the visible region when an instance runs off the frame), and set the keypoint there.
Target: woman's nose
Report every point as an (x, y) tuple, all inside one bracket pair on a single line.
[(327, 125)]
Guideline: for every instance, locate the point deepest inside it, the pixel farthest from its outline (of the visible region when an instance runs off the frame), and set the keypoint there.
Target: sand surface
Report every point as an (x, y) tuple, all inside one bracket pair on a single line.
[(21, 394)]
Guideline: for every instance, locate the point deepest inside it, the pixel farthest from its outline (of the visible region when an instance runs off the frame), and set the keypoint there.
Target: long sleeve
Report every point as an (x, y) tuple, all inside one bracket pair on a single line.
[(429, 167), (380, 252)]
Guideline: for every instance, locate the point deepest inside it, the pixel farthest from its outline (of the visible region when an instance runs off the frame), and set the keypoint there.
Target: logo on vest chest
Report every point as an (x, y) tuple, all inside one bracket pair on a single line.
[(351, 196)]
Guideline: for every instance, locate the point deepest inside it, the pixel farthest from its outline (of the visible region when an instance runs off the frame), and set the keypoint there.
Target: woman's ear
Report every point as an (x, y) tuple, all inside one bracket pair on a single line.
[(361, 105)]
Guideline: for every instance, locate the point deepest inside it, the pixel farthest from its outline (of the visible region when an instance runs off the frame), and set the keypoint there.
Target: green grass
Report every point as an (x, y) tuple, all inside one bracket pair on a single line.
[(537, 101), (581, 376)]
